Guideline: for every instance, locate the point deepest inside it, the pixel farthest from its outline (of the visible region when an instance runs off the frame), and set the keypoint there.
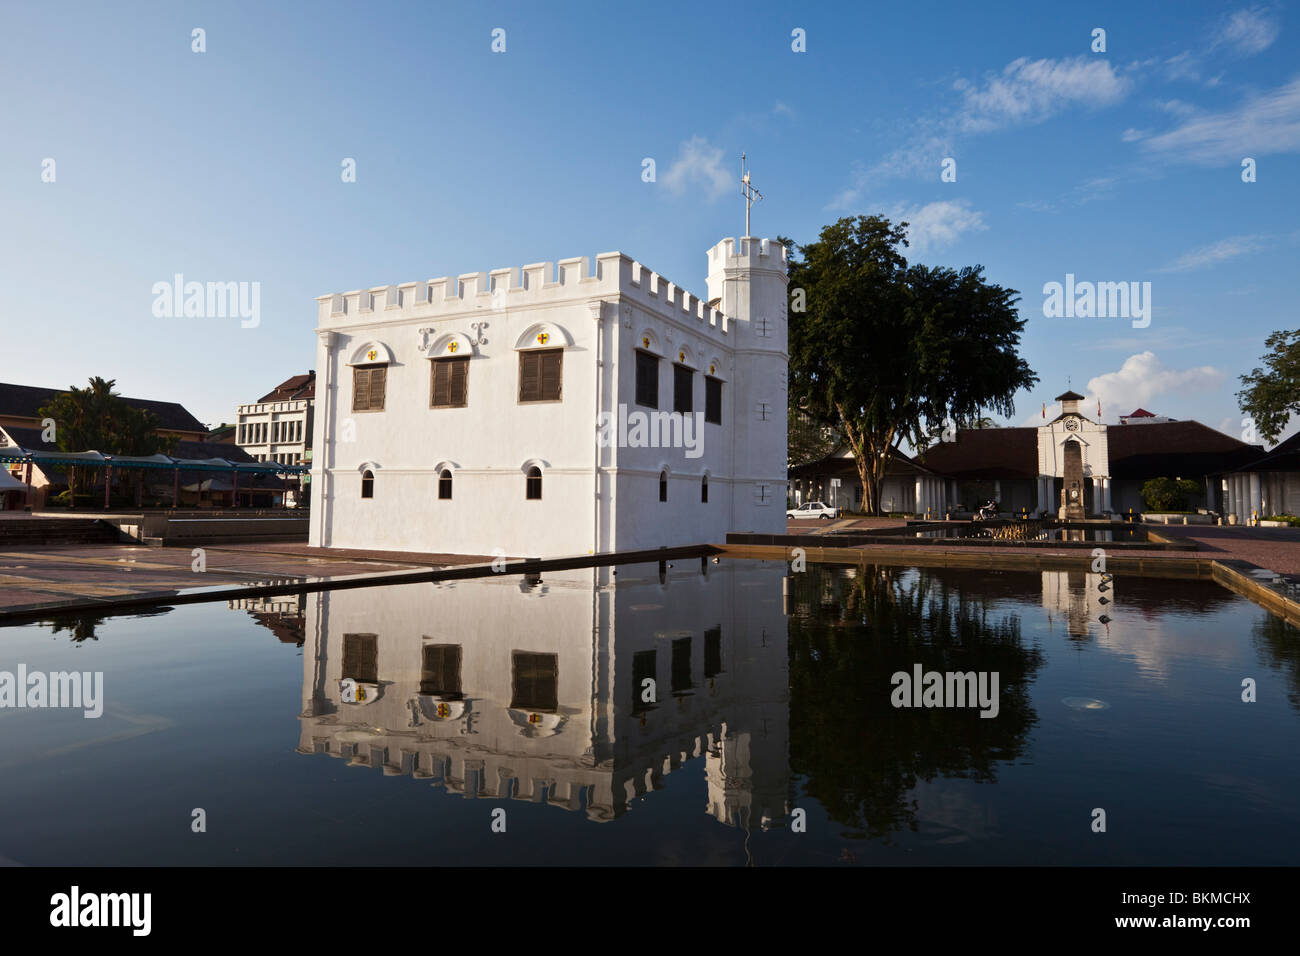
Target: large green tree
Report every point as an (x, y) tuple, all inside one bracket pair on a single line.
[(888, 352), (1272, 394), (96, 418)]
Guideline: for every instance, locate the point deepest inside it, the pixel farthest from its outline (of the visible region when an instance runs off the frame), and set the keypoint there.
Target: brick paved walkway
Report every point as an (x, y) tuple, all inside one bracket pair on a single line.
[(59, 574)]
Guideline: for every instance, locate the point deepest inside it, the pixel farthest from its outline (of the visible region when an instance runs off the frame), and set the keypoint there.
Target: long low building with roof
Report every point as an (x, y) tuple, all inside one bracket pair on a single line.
[(20, 407), (1069, 466), (191, 476)]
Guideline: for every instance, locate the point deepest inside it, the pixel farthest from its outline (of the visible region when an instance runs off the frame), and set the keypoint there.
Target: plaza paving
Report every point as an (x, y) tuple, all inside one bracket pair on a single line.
[(101, 577), (73, 577)]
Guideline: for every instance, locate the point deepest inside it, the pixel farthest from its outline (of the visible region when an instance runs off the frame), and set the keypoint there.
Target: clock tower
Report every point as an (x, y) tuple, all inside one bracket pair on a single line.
[(1073, 464)]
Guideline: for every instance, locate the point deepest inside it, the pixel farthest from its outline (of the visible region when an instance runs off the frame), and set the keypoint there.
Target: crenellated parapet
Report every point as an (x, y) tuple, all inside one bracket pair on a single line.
[(539, 284), (749, 252)]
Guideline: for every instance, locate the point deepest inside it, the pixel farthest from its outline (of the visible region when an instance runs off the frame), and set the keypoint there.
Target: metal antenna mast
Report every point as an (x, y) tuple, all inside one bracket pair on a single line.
[(747, 190)]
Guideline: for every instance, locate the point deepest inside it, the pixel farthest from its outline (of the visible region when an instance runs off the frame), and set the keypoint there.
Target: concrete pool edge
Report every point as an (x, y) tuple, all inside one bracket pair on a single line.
[(125, 603), (1236, 575)]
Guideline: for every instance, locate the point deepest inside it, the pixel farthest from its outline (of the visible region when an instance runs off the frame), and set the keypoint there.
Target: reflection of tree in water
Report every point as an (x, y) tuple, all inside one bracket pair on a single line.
[(81, 627), (860, 755), (1279, 645)]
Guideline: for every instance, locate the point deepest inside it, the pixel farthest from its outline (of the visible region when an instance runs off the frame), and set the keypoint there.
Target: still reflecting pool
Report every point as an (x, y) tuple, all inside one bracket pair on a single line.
[(724, 713)]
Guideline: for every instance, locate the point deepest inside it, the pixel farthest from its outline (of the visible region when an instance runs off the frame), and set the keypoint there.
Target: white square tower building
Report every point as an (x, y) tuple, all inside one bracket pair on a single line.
[(548, 411)]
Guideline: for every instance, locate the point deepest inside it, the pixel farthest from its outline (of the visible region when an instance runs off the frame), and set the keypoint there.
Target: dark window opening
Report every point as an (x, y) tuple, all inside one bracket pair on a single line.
[(535, 682), (704, 490), (361, 658), (647, 379), (681, 679), (541, 374), (663, 486), (444, 485), (534, 484), (643, 669), (449, 383), (367, 484), (683, 389), (712, 652), (440, 674), (712, 400)]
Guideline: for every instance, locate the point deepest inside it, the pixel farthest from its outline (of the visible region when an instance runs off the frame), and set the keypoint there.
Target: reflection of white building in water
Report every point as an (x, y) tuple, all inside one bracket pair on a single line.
[(580, 689), (1078, 598)]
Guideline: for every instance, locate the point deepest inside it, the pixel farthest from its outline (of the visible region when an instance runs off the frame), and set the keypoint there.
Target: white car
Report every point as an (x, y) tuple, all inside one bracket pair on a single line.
[(813, 509)]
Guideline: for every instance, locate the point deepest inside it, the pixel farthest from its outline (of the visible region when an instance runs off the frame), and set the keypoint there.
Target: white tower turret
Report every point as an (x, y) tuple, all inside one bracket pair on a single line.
[(748, 278)]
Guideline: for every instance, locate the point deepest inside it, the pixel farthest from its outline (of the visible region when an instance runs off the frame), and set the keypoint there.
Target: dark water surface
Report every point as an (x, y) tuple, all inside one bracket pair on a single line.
[(391, 725)]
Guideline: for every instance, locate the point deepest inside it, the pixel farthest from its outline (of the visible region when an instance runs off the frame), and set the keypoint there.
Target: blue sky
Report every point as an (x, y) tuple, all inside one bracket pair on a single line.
[(225, 166)]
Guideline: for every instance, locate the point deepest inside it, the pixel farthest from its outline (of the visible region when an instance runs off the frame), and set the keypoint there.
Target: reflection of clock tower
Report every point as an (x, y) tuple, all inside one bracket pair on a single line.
[(1073, 464)]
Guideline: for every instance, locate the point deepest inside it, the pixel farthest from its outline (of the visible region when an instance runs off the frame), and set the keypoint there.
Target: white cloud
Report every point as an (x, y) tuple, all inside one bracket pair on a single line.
[(1176, 107), (1029, 91), (1132, 135), (1249, 31), (1214, 253), (699, 163), (1182, 67), (1142, 379), (781, 109), (1026, 91), (1267, 123), (1038, 205), (938, 224)]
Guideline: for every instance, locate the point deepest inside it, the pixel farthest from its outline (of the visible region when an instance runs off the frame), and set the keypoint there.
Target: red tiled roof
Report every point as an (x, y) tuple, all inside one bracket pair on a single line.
[(293, 389), (1173, 449), (986, 453), (24, 401)]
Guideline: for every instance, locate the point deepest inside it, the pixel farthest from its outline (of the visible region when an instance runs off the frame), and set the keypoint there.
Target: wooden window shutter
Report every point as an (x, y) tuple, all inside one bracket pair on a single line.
[(361, 657), (529, 377), (535, 681), (459, 381), (378, 380), (441, 384), (552, 374), (450, 380), (360, 389)]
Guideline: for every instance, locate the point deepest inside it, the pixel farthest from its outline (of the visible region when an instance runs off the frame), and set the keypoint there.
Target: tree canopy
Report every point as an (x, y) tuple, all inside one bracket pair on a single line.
[(1272, 394), (97, 419), (888, 352)]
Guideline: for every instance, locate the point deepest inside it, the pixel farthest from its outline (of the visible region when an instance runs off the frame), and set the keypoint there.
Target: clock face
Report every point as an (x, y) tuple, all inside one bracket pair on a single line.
[(1072, 424)]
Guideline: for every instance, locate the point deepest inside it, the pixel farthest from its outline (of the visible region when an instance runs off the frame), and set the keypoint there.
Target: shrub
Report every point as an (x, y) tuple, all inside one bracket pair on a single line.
[(1168, 494)]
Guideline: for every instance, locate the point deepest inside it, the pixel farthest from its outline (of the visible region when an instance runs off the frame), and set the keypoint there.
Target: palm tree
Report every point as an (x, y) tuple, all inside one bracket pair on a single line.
[(96, 419)]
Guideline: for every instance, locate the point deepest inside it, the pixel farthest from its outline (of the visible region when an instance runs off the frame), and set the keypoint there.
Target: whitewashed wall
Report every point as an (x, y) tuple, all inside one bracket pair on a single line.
[(594, 498)]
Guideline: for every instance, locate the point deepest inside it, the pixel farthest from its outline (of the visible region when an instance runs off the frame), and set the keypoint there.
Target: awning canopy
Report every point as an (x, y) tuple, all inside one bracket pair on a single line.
[(9, 483), (93, 459)]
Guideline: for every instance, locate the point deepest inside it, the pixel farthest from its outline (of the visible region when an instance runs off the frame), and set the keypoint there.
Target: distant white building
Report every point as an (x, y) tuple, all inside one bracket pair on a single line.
[(278, 426), (547, 411)]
